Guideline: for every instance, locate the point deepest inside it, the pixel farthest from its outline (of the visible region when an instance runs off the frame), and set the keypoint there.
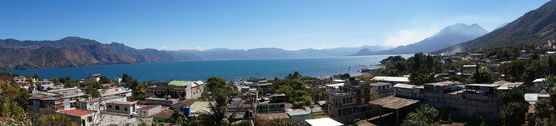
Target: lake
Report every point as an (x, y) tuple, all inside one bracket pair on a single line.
[(229, 69)]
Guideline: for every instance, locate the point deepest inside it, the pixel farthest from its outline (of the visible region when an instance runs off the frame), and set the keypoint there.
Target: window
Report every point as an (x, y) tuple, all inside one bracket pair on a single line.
[(90, 119), (117, 107), (125, 109), (109, 106)]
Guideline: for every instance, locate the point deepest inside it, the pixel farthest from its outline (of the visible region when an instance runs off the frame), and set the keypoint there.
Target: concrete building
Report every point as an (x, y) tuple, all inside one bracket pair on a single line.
[(409, 91), (93, 77), (349, 98), (178, 89), (161, 101), (117, 107), (149, 110), (392, 80), (44, 85), (467, 70), (80, 116), (381, 90)]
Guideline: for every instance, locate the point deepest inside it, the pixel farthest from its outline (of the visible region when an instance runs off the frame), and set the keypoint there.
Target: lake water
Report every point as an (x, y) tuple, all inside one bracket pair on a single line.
[(229, 69)]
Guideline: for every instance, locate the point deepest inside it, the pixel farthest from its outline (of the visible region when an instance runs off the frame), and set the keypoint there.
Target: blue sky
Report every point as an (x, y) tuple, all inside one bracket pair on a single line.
[(244, 24)]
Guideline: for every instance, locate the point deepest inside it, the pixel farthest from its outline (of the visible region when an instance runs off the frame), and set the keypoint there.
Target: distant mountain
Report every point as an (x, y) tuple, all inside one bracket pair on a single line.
[(364, 51), (536, 26), (449, 36), (274, 53), (72, 52)]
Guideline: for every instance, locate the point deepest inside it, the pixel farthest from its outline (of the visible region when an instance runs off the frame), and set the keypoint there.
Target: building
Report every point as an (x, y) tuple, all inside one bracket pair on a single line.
[(93, 77), (149, 110), (409, 91), (178, 89), (161, 101), (468, 70), (381, 90), (300, 114), (349, 98), (392, 80), (163, 116), (80, 116), (118, 107), (276, 104), (323, 122), (44, 85), (183, 103)]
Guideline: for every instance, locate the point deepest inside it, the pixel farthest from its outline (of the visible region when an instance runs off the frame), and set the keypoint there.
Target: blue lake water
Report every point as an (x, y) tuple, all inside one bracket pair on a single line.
[(229, 69)]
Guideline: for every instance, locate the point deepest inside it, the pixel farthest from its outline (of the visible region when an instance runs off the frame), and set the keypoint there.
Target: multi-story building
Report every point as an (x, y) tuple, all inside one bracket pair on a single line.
[(178, 89), (409, 91), (348, 98)]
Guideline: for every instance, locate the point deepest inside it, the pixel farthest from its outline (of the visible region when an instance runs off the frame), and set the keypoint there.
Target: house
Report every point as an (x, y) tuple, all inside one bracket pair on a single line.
[(178, 89), (349, 98), (161, 101), (148, 110), (163, 116), (44, 85), (118, 107), (538, 86), (183, 103), (390, 79), (300, 114), (276, 104), (409, 91), (80, 116), (381, 90), (93, 77), (468, 70)]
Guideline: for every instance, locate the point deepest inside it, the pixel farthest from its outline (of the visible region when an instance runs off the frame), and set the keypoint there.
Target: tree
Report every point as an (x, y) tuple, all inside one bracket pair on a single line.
[(279, 122), (345, 76), (422, 116), (218, 104), (215, 82), (513, 114), (513, 106), (36, 76), (482, 76), (421, 78), (93, 92), (51, 118)]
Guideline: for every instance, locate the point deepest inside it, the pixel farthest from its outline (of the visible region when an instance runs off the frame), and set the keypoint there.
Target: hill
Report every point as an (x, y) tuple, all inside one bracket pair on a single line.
[(72, 52), (534, 27), (449, 36)]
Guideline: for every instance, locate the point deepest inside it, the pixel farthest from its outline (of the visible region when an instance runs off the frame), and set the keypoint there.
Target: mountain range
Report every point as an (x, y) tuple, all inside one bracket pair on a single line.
[(534, 27), (449, 36), (76, 51)]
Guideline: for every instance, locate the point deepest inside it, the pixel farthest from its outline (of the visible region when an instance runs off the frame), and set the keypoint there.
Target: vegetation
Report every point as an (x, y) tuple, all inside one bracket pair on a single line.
[(513, 106), (422, 116)]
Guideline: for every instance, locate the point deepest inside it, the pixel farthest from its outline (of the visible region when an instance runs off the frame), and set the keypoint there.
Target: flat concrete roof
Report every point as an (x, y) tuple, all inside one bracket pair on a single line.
[(323, 122), (391, 79)]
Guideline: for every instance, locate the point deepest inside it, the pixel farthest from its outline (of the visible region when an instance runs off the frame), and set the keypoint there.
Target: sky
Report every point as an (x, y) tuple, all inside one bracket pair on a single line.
[(246, 24)]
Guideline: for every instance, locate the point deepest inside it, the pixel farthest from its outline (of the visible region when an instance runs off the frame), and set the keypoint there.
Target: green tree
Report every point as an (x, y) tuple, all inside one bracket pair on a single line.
[(93, 92), (513, 114), (422, 116), (483, 76), (215, 82)]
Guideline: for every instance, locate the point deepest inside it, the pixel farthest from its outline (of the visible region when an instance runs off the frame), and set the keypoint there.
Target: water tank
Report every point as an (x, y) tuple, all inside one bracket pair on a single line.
[(186, 111)]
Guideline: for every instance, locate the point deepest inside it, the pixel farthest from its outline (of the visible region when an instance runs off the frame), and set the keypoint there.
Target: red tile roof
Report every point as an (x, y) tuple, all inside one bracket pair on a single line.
[(76, 112)]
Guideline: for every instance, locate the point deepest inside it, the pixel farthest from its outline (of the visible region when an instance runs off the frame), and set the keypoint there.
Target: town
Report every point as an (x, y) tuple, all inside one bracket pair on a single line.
[(495, 87)]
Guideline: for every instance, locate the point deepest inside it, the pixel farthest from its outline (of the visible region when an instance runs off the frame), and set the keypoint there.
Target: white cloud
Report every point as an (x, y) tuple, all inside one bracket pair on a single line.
[(408, 36)]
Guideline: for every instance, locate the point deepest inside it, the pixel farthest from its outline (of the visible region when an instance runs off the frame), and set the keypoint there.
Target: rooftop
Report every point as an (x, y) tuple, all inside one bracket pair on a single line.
[(188, 102), (443, 83), (392, 102), (183, 83), (408, 86), (482, 85), (379, 84), (391, 79), (164, 114), (335, 85), (539, 80), (146, 107), (504, 85), (323, 122), (76, 112), (469, 65), (118, 102)]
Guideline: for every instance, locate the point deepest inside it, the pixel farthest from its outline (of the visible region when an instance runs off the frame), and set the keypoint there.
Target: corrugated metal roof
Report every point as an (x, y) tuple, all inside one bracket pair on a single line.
[(393, 102)]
